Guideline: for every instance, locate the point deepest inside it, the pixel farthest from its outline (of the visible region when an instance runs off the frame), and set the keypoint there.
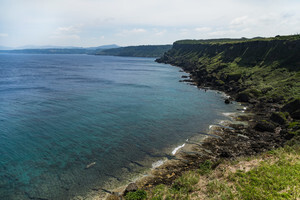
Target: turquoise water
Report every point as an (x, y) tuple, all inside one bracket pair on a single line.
[(59, 113)]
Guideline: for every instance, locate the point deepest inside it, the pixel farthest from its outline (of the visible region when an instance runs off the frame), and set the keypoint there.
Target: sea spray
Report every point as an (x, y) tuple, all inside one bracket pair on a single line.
[(177, 148)]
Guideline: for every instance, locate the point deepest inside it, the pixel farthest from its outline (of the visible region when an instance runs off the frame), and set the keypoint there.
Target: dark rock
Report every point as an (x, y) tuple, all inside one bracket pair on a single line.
[(132, 187), (278, 118), (186, 80), (184, 76), (225, 154), (227, 101), (264, 126), (233, 77), (253, 101), (243, 97), (293, 107), (296, 114)]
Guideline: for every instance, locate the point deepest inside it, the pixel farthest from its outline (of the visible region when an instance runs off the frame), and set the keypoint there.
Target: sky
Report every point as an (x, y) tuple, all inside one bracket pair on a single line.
[(90, 23)]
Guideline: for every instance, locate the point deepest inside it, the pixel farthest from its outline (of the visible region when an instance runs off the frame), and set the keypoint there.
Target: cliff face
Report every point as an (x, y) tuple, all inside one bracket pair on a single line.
[(262, 69)]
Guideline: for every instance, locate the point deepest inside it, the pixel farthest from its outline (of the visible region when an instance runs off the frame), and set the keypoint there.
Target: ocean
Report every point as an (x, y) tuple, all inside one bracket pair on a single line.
[(71, 124)]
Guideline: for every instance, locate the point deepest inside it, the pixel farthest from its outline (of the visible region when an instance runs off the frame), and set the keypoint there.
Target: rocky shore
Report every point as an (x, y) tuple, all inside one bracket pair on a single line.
[(252, 131), (252, 73)]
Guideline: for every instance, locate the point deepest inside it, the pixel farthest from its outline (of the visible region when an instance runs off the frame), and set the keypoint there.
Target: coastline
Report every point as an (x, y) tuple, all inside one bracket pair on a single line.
[(229, 140), (185, 156), (173, 158), (134, 172)]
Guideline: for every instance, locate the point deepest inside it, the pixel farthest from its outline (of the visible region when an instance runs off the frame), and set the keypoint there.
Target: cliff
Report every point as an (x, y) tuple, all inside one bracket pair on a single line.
[(264, 74), (264, 69)]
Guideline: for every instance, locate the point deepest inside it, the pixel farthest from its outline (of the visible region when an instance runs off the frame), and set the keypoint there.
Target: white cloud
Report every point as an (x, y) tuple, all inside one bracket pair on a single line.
[(239, 20), (67, 33), (222, 33), (160, 33), (135, 31), (3, 35), (72, 37), (202, 29), (68, 30), (72, 20), (184, 31)]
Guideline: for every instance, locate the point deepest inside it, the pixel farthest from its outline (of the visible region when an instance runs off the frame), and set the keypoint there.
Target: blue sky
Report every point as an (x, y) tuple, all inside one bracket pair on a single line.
[(135, 22)]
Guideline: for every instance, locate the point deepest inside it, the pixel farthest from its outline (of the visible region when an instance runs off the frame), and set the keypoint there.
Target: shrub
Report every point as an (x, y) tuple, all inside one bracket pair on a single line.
[(137, 195), (205, 168)]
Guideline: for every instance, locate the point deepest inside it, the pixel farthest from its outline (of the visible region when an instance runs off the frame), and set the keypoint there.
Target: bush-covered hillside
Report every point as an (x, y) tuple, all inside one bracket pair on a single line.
[(260, 68), (137, 51)]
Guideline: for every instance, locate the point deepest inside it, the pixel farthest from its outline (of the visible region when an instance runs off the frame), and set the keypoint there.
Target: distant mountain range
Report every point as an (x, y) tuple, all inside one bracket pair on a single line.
[(57, 47), (112, 50)]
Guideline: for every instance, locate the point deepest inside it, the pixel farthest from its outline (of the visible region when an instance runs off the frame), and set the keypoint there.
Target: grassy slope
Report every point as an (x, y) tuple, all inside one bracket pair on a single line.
[(265, 67), (272, 175)]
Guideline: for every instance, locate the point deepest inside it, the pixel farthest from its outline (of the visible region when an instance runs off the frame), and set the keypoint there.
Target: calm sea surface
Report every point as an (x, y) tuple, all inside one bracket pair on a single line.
[(60, 113)]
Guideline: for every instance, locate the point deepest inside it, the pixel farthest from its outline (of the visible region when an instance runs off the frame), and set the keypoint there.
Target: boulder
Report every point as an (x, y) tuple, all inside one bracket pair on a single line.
[(243, 97), (293, 107), (227, 101), (233, 77), (278, 118), (296, 114), (264, 126), (132, 187)]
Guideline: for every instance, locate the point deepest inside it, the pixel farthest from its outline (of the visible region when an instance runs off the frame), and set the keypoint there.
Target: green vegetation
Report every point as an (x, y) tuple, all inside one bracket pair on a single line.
[(294, 124), (137, 51), (264, 72), (137, 195), (180, 189), (238, 40), (272, 175), (262, 68), (205, 168)]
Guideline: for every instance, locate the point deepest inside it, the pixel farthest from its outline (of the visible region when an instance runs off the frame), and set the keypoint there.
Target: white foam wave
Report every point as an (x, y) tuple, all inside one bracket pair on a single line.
[(222, 122), (158, 163), (177, 148), (228, 114)]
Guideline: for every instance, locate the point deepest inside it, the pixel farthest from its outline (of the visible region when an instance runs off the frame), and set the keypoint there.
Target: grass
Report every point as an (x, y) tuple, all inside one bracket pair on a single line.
[(137, 195), (230, 40), (180, 189), (272, 175), (277, 177), (269, 65), (265, 69)]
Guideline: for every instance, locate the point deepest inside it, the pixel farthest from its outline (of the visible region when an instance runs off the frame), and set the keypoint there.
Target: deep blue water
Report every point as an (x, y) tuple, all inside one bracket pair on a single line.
[(59, 113)]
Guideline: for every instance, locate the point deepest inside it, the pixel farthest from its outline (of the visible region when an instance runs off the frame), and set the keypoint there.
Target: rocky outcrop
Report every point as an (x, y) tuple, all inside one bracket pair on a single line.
[(243, 97), (242, 69), (132, 187), (279, 117), (293, 108), (264, 126)]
